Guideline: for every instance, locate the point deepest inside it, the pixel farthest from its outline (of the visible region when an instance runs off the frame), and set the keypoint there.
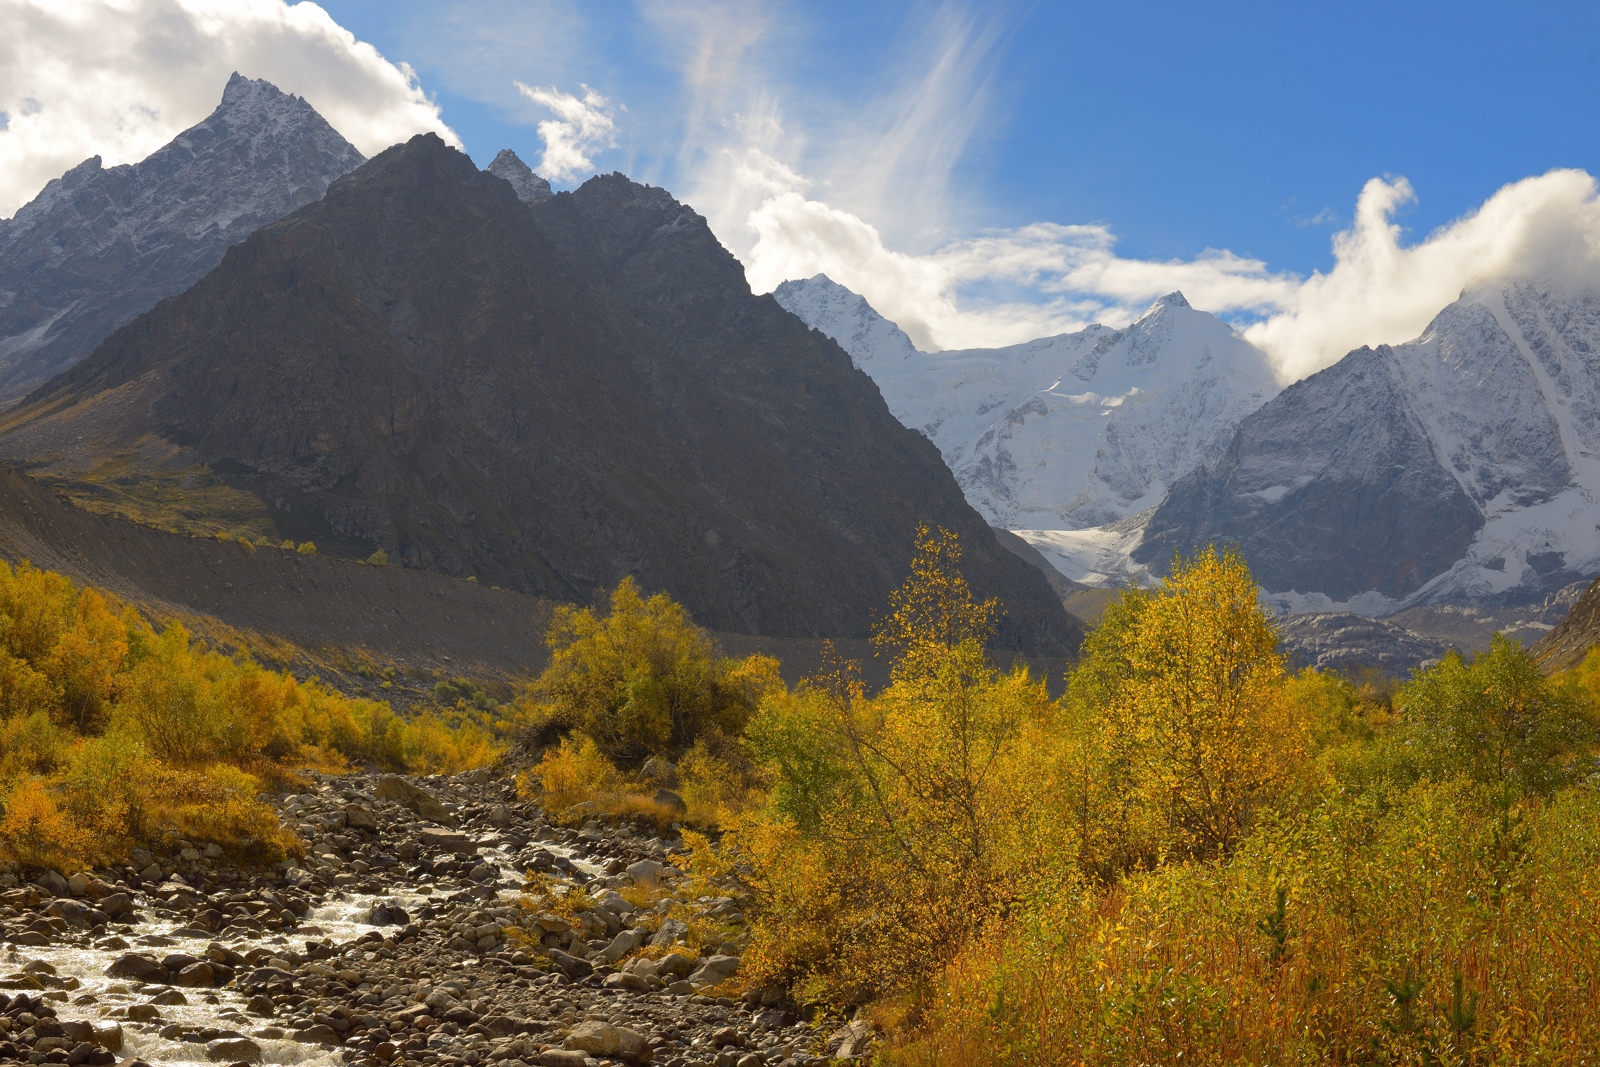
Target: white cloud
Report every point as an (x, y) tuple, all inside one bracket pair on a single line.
[(1382, 292), (1052, 278), (1061, 277), (120, 78), (795, 183), (579, 128)]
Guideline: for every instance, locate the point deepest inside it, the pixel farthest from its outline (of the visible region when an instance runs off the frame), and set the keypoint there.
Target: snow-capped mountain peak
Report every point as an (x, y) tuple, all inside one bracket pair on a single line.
[(100, 245), (1461, 467), (824, 304), (1061, 432)]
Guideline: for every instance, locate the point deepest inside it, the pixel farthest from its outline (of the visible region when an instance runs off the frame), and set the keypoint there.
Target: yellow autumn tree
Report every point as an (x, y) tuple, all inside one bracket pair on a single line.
[(1193, 708), (898, 825)]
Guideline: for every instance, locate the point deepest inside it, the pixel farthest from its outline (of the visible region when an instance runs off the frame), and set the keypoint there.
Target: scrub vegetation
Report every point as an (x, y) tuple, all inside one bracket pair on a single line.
[(1193, 856), (114, 733)]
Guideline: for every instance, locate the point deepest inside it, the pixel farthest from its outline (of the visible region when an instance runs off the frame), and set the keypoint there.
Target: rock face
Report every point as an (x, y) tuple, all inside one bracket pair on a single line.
[(546, 399), (529, 186), (1342, 640), (1063, 432), (1573, 637), (1332, 487), (97, 247), (1457, 468)]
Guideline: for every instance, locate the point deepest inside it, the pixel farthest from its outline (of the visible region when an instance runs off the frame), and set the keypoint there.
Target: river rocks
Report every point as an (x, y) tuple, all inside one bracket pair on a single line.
[(562, 1058), (412, 796), (624, 943), (445, 841), (715, 971), (233, 1050), (115, 904), (360, 817), (52, 883), (386, 913), (602, 1039), (137, 967), (463, 977), (196, 975), (672, 932), (645, 872), (318, 1034)]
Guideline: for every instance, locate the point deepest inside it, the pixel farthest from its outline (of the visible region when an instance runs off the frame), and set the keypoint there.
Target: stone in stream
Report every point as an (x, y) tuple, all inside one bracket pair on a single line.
[(233, 1050), (133, 965), (115, 904), (446, 841), (410, 795), (318, 1034), (197, 975)]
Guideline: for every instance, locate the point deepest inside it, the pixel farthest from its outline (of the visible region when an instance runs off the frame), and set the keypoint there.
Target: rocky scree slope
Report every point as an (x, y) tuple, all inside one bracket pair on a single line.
[(1458, 468), (401, 940), (1063, 432), (547, 399), (99, 246), (1570, 641), (385, 633)]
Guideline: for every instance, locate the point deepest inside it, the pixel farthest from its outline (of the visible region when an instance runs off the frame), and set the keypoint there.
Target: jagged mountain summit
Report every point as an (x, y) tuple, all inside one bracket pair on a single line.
[(99, 246), (529, 186), (1457, 468), (1065, 432), (547, 397)]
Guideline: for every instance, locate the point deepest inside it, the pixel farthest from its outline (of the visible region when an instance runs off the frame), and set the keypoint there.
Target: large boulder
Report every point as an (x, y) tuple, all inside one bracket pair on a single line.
[(412, 796), (625, 942), (715, 971), (233, 1050), (602, 1039), (133, 965)]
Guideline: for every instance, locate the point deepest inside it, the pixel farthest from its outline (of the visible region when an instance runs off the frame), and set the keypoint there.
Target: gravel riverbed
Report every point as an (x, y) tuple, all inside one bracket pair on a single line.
[(403, 938)]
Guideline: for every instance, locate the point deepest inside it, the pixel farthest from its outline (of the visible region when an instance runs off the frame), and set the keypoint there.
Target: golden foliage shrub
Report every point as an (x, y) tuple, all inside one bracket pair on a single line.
[(124, 732), (642, 680)]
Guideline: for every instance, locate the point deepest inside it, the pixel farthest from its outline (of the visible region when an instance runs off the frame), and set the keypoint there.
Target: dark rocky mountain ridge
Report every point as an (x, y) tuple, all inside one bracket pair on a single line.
[(529, 186), (98, 246), (548, 399)]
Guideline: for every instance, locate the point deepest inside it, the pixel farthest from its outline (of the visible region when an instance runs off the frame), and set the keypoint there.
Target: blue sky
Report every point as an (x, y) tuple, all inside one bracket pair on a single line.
[(1181, 126), (1321, 176)]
